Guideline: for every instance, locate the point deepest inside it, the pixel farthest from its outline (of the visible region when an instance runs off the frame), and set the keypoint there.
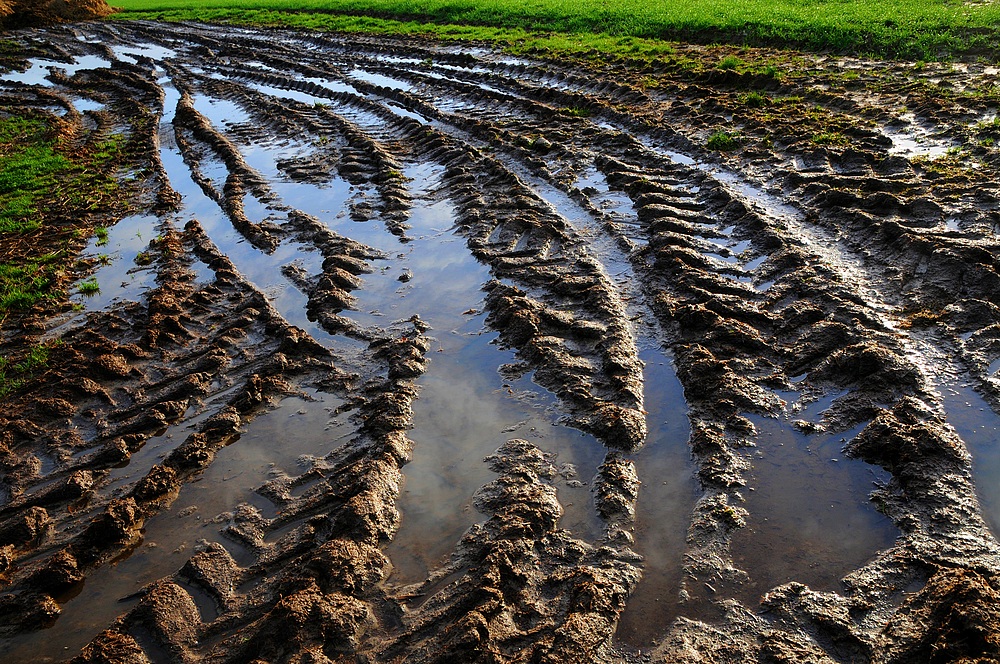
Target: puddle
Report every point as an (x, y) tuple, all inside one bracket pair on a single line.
[(379, 79), (663, 511), (39, 69), (464, 413), (979, 427), (85, 105), (117, 274), (264, 270), (402, 112), (151, 51), (810, 517), (915, 140), (295, 95), (221, 112), (616, 204), (915, 145), (755, 263), (465, 410), (764, 285), (171, 537), (156, 448)]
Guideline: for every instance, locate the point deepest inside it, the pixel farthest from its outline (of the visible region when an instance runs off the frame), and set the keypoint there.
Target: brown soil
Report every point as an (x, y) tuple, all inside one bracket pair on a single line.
[(815, 258), (24, 13)]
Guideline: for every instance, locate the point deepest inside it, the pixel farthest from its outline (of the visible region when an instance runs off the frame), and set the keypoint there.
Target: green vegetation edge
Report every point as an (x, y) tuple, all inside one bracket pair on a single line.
[(903, 29)]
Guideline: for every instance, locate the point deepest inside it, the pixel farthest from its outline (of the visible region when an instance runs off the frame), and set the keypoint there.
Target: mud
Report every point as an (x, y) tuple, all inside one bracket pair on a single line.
[(416, 352)]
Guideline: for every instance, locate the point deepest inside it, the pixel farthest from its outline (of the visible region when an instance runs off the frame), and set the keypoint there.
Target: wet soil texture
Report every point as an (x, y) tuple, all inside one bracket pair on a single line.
[(425, 353)]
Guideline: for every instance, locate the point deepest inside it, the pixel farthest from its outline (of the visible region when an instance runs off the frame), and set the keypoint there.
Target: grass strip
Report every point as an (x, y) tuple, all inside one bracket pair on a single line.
[(28, 168), (48, 185), (13, 375), (911, 29)]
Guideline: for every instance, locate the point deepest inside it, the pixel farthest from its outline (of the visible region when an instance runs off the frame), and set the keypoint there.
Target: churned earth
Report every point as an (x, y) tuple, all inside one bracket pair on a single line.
[(418, 352)]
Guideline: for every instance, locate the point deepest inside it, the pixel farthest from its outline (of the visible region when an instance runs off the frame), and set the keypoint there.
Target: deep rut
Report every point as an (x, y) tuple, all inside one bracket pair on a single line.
[(439, 354)]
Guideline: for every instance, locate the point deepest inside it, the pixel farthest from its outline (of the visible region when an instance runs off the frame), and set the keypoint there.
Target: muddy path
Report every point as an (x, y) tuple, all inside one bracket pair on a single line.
[(417, 352)]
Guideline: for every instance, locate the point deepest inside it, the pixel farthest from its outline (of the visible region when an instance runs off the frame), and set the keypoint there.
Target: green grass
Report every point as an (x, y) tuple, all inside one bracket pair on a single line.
[(47, 185), (723, 141), (924, 29), (754, 99), (25, 283), (13, 375), (28, 168), (731, 62), (830, 138), (90, 287)]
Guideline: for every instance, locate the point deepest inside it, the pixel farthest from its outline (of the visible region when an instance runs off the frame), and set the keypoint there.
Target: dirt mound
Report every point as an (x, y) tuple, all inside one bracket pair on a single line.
[(30, 13)]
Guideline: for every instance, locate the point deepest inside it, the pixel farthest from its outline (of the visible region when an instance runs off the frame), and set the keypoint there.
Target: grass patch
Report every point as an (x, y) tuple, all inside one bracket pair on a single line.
[(48, 185), (913, 29), (830, 138), (28, 168), (723, 141), (754, 99), (731, 63), (13, 375), (24, 284), (89, 287)]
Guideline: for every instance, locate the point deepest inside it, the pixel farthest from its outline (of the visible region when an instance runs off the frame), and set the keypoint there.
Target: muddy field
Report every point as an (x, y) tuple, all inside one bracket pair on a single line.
[(426, 353)]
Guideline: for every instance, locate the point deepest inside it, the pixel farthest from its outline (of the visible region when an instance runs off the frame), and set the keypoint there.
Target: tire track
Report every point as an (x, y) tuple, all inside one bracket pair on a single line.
[(805, 292)]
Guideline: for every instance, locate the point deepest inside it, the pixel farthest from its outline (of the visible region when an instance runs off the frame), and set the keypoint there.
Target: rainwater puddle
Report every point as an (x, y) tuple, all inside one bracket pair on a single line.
[(156, 448), (467, 85), (811, 520), (379, 79), (85, 105), (39, 69), (663, 511), (221, 112), (402, 112), (979, 427), (915, 140), (151, 51), (118, 275), (264, 270), (465, 410), (282, 439), (616, 204), (295, 95)]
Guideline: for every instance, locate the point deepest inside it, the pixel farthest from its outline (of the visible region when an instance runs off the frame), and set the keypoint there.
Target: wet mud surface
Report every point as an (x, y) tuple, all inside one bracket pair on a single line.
[(425, 353)]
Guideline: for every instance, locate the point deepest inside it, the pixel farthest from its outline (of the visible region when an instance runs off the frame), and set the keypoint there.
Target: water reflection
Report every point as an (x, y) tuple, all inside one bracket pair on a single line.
[(281, 440), (465, 412), (117, 274), (810, 517), (666, 498), (979, 427)]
